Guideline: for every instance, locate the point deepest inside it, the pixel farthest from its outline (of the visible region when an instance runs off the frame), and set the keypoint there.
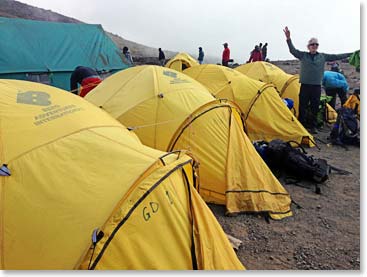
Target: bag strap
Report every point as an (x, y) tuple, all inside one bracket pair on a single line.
[(296, 204), (299, 145), (295, 182), (340, 171)]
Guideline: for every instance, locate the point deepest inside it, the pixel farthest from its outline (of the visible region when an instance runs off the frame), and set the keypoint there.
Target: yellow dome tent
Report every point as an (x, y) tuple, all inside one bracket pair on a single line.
[(169, 110), (181, 61), (80, 191), (265, 115), (287, 85)]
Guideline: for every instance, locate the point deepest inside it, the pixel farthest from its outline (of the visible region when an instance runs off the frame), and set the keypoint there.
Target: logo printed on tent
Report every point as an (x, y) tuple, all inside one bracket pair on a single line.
[(50, 112), (175, 79), (115, 235), (37, 98), (170, 74)]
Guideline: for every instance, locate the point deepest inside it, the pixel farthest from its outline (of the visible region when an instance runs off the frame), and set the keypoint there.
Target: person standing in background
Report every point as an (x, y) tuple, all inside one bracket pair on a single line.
[(255, 55), (311, 74), (264, 51), (201, 55), (260, 46), (226, 54), (128, 59), (161, 57)]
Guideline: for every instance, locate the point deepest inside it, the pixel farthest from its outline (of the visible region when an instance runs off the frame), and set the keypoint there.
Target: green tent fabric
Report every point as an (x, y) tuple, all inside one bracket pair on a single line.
[(48, 52), (355, 60)]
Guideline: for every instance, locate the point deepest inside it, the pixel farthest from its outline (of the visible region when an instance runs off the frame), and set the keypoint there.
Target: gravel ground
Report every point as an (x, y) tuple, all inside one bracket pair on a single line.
[(322, 235)]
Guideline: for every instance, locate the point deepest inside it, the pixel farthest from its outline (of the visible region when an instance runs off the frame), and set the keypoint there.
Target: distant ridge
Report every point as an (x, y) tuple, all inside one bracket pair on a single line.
[(15, 9), (142, 54)]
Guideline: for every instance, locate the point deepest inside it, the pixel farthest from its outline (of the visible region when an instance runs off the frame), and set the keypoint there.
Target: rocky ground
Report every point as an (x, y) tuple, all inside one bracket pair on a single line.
[(322, 235)]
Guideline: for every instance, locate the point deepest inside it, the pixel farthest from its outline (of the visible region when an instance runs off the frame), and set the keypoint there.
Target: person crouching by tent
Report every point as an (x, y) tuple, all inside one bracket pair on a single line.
[(256, 55), (87, 77), (311, 74), (334, 66), (335, 83)]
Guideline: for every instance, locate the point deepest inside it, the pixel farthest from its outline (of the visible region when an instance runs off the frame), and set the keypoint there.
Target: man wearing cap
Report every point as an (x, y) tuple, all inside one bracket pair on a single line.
[(312, 72), (226, 54)]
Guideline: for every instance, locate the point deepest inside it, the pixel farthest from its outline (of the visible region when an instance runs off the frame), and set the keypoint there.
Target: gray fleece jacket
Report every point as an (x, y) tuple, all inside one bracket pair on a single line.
[(312, 65)]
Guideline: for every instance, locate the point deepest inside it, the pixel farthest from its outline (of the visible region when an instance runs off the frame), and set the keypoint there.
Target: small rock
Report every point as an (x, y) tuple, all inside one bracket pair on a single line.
[(271, 258), (318, 206)]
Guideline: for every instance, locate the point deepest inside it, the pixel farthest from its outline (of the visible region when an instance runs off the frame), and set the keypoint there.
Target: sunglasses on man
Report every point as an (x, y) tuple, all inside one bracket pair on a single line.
[(313, 44)]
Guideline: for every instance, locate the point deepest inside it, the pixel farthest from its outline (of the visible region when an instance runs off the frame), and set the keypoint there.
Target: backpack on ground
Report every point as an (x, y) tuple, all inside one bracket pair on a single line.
[(280, 156), (325, 114), (346, 129)]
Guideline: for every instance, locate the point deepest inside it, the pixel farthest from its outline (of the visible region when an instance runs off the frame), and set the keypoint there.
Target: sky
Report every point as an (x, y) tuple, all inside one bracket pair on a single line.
[(183, 26)]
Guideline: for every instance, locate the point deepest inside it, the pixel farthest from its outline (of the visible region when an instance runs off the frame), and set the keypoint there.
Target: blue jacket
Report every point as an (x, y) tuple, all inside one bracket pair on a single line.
[(334, 79)]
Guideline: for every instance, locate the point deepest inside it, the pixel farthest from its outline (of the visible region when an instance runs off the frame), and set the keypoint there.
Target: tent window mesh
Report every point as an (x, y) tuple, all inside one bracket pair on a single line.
[(43, 78)]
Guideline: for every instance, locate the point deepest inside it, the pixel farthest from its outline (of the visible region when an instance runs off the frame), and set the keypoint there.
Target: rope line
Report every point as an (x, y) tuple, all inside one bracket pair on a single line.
[(132, 128), (86, 86)]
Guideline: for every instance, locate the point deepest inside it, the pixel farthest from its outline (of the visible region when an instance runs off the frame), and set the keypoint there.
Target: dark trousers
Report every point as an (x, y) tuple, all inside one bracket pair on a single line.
[(333, 92), (309, 95), (224, 63)]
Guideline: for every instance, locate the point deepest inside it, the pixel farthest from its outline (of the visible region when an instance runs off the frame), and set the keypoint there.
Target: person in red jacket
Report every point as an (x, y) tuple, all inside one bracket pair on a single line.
[(256, 55), (226, 54)]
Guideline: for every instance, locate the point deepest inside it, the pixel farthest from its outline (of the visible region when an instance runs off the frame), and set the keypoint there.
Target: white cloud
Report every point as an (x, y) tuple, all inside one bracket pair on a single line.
[(185, 25)]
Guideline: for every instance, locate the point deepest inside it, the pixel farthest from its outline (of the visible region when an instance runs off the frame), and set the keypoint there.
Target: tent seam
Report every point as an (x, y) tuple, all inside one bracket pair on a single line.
[(187, 122), (227, 153), (144, 154), (59, 138), (1, 144), (156, 91), (137, 203), (287, 83), (257, 191), (117, 90), (2, 185)]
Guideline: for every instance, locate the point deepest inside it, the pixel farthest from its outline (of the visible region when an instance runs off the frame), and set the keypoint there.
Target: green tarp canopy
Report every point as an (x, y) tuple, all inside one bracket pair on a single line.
[(355, 60), (49, 51)]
